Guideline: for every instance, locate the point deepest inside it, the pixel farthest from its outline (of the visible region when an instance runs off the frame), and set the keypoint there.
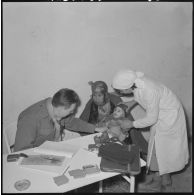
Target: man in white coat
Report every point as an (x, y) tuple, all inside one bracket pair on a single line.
[(168, 146)]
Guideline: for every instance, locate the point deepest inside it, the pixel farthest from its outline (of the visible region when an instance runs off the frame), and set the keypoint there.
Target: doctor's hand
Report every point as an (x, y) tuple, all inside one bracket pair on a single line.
[(125, 124), (101, 129)]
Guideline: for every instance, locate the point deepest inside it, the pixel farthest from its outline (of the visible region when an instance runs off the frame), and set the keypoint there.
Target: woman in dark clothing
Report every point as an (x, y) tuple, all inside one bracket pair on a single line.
[(102, 104)]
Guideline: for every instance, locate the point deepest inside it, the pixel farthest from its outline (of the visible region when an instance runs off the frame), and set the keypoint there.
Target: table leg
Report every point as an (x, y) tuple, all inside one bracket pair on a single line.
[(132, 184), (131, 181), (100, 186)]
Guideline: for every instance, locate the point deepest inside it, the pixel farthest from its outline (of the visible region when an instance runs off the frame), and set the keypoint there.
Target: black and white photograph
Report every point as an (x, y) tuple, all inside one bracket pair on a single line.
[(97, 96)]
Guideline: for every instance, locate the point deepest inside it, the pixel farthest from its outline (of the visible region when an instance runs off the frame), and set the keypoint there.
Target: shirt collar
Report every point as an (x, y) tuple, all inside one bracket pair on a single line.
[(43, 109)]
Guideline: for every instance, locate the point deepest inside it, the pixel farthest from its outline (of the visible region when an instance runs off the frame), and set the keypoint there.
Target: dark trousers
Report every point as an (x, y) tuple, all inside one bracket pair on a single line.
[(138, 139)]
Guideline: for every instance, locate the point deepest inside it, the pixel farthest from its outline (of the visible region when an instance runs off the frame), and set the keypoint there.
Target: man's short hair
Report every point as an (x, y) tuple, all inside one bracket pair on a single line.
[(65, 97)]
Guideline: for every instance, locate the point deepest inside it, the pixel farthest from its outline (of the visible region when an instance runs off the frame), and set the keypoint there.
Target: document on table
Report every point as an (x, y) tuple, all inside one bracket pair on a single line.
[(50, 157), (42, 159), (57, 148)]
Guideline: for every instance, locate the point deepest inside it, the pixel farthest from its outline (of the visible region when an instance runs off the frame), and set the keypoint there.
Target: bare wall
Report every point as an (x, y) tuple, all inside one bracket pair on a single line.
[(48, 46)]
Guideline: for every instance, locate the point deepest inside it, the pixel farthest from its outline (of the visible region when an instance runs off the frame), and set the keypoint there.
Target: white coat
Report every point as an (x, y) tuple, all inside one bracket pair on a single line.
[(165, 115)]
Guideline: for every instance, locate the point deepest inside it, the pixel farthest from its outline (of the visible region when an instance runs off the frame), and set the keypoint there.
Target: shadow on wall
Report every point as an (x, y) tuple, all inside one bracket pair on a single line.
[(189, 135), (188, 125)]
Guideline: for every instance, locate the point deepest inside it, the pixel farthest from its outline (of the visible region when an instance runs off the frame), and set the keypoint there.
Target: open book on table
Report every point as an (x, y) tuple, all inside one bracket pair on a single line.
[(51, 157), (57, 148)]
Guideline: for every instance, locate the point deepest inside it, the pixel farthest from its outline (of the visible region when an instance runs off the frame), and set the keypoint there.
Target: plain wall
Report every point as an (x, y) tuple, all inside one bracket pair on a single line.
[(48, 46)]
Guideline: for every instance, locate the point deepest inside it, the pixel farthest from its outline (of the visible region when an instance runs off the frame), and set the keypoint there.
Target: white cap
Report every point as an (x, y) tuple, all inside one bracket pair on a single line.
[(125, 79)]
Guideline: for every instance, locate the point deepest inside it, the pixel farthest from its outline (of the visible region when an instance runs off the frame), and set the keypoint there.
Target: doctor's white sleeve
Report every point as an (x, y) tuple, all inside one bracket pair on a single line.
[(152, 110)]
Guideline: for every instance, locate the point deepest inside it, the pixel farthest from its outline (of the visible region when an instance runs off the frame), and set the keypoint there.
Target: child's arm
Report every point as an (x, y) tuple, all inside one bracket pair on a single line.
[(105, 121)]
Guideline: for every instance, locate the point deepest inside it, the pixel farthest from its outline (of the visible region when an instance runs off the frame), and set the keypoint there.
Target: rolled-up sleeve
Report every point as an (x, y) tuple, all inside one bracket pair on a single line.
[(75, 124), (152, 110)]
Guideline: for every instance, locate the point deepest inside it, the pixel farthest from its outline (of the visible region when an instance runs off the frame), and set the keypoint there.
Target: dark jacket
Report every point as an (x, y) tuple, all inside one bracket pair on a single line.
[(89, 111)]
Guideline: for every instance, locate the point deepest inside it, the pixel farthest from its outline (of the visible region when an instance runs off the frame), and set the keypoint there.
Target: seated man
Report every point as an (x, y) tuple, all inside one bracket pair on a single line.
[(47, 119)]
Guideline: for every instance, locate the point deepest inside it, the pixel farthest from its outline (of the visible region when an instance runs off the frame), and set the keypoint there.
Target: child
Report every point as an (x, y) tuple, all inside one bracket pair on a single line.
[(111, 122)]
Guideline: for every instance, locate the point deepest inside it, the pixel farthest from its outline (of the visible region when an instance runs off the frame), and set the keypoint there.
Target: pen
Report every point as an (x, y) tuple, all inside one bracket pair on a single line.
[(53, 159), (65, 170)]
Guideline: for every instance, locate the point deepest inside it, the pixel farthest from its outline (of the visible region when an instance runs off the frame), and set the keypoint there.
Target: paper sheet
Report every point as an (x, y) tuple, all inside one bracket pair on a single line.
[(49, 160), (53, 150), (57, 148)]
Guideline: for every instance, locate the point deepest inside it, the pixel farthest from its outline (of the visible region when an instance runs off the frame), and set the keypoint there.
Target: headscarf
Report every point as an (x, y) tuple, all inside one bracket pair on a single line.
[(98, 84), (101, 86), (97, 112), (125, 79)]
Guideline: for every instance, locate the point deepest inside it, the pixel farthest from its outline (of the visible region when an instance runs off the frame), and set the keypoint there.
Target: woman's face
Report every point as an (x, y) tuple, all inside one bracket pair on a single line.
[(126, 91), (98, 97), (118, 112)]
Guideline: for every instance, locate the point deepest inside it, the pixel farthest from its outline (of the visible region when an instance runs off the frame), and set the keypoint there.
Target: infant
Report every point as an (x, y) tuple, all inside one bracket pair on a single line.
[(113, 125)]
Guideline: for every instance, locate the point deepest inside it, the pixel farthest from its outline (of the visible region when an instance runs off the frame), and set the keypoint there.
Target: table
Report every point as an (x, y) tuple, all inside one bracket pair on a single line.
[(43, 182)]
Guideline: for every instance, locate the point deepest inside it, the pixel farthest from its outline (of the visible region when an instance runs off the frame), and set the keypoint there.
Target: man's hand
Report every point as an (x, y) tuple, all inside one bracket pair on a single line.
[(101, 129)]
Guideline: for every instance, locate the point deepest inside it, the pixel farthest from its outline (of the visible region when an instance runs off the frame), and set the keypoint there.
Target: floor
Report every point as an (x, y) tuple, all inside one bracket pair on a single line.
[(182, 182)]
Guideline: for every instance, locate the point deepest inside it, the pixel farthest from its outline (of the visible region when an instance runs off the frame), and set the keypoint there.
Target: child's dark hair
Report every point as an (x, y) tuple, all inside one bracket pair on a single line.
[(65, 97), (123, 107)]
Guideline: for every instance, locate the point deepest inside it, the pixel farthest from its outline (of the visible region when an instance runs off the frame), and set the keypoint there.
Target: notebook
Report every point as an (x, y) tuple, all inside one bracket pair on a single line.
[(57, 148), (50, 157)]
